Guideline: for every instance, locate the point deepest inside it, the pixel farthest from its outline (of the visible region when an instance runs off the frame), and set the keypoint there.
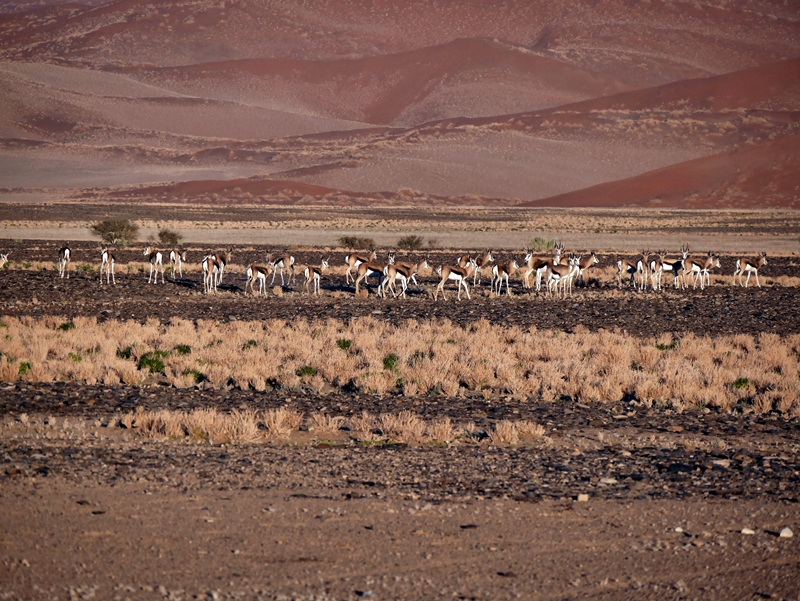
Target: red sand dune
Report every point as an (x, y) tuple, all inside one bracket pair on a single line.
[(764, 175)]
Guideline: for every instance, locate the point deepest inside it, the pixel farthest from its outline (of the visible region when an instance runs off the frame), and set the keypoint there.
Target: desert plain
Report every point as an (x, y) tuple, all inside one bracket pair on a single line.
[(613, 441)]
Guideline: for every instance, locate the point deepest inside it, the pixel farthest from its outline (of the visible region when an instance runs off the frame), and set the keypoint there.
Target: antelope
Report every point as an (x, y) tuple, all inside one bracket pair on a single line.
[(63, 261), (751, 266), (705, 272), (480, 263), (587, 263), (155, 257), (643, 269), (4, 259), (211, 269), (677, 267), (464, 260), (260, 273), (403, 272), (562, 275), (698, 268), (413, 268), (284, 262), (500, 272), (657, 267), (539, 266), (177, 258), (367, 269), (353, 260), (314, 274), (456, 273), (107, 263), (221, 258), (628, 266)]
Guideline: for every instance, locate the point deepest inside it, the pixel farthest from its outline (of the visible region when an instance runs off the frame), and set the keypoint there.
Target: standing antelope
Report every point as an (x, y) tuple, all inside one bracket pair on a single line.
[(457, 274), (260, 273), (156, 262), (628, 266), (107, 263), (561, 276), (500, 272), (751, 266), (353, 260), (698, 268), (481, 262), (211, 269), (402, 271), (177, 258), (4, 259), (367, 269), (221, 258), (314, 274), (587, 263), (657, 268), (705, 272), (63, 261), (284, 262), (540, 265), (412, 267)]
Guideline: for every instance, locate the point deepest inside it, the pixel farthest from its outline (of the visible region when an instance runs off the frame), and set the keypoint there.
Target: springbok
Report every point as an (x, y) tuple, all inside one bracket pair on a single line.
[(501, 272), (260, 273), (751, 266), (480, 263), (627, 266), (4, 259), (414, 268), (63, 261), (284, 262), (367, 269), (156, 262), (107, 263), (402, 271), (211, 269), (540, 265), (561, 276), (587, 263), (657, 268), (177, 258), (221, 258), (699, 269), (705, 272), (353, 260), (457, 274), (314, 274)]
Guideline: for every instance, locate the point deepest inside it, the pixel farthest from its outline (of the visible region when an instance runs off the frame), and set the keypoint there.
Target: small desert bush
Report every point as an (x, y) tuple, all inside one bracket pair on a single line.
[(116, 231), (411, 243), (356, 242), (169, 237), (743, 372)]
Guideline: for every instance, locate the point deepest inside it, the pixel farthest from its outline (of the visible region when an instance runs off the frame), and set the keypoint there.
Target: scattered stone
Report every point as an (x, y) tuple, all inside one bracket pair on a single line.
[(583, 498), (786, 533), (679, 529), (748, 531), (675, 429), (726, 463), (608, 480)]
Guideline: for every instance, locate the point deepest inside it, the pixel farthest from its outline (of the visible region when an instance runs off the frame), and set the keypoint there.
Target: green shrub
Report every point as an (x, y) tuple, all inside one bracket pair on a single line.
[(539, 244), (356, 242), (741, 383), (125, 353), (153, 361), (24, 367), (306, 370), (76, 357), (344, 344), (182, 349), (390, 362), (249, 344), (66, 326), (198, 377), (169, 237), (410, 243), (668, 347), (116, 231)]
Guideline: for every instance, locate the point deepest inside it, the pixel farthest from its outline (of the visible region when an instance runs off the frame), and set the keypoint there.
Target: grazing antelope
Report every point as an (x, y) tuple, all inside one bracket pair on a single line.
[(63, 261), (587, 263), (4, 259), (314, 274), (107, 263), (540, 265), (260, 273), (211, 269), (480, 263), (402, 271), (284, 262), (501, 272), (177, 258), (456, 273), (367, 269), (156, 261), (751, 266), (353, 260)]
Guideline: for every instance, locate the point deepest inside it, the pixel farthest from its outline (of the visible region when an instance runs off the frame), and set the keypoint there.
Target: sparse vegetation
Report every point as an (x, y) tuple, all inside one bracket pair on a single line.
[(727, 372), (539, 244), (116, 231), (411, 243)]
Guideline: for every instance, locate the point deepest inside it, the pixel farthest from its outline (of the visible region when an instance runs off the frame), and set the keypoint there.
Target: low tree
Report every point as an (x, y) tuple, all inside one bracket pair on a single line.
[(169, 237), (116, 231)]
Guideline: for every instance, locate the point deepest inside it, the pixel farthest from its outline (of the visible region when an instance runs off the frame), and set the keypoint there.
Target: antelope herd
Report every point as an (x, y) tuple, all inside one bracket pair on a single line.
[(558, 272)]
